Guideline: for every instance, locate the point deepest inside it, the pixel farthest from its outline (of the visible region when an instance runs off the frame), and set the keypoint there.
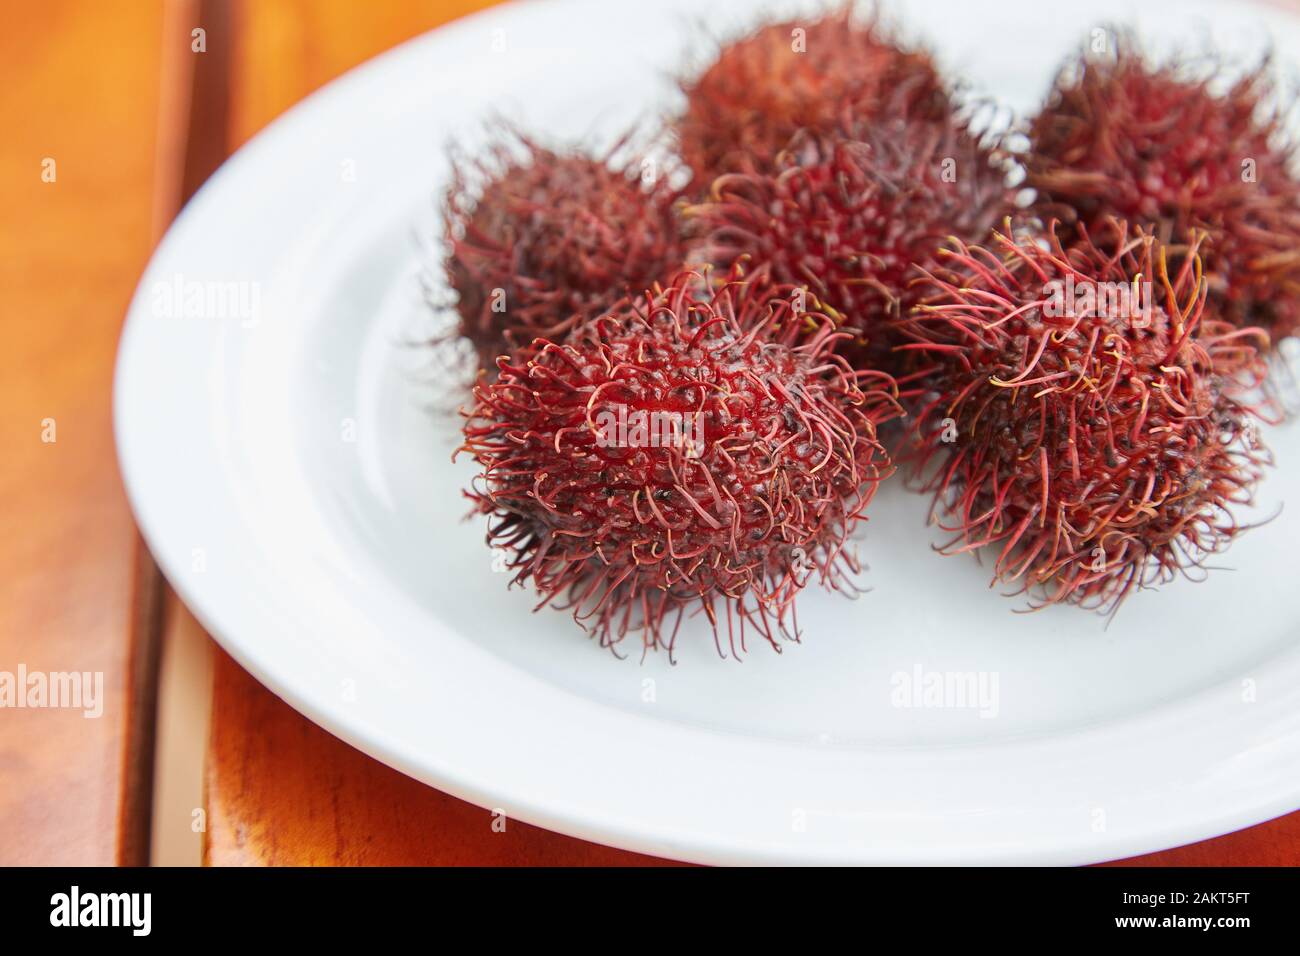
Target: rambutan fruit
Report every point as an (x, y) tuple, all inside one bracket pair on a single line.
[(1185, 147), (854, 218), (540, 241), (1089, 419), (743, 109), (679, 453)]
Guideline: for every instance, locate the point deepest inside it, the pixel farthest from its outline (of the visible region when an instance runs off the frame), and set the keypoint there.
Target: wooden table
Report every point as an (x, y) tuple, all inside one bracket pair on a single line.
[(135, 121)]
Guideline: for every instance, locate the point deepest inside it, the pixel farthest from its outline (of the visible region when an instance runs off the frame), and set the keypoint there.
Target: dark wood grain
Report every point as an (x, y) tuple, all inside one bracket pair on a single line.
[(82, 87), (193, 143)]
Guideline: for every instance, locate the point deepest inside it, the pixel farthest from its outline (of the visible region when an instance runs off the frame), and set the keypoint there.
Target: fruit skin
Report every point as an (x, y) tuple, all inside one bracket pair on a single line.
[(855, 215), (743, 110), (1097, 452), (1157, 144), (632, 535), (540, 241)]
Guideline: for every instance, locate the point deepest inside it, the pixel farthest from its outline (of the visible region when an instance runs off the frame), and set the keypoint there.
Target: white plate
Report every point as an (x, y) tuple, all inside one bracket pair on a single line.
[(297, 490)]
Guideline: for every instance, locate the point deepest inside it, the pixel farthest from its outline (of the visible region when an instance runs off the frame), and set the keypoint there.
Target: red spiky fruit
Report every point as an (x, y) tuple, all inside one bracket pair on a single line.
[(742, 462), (854, 218), (1184, 149), (540, 241), (1089, 419), (799, 74)]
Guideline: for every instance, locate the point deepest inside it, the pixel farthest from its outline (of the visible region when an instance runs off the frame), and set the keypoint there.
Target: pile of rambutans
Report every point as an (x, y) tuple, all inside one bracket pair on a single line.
[(691, 385)]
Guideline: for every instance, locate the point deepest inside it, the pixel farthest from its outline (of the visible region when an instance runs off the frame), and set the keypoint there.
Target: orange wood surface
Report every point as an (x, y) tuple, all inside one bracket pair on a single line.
[(281, 791), (81, 87)]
